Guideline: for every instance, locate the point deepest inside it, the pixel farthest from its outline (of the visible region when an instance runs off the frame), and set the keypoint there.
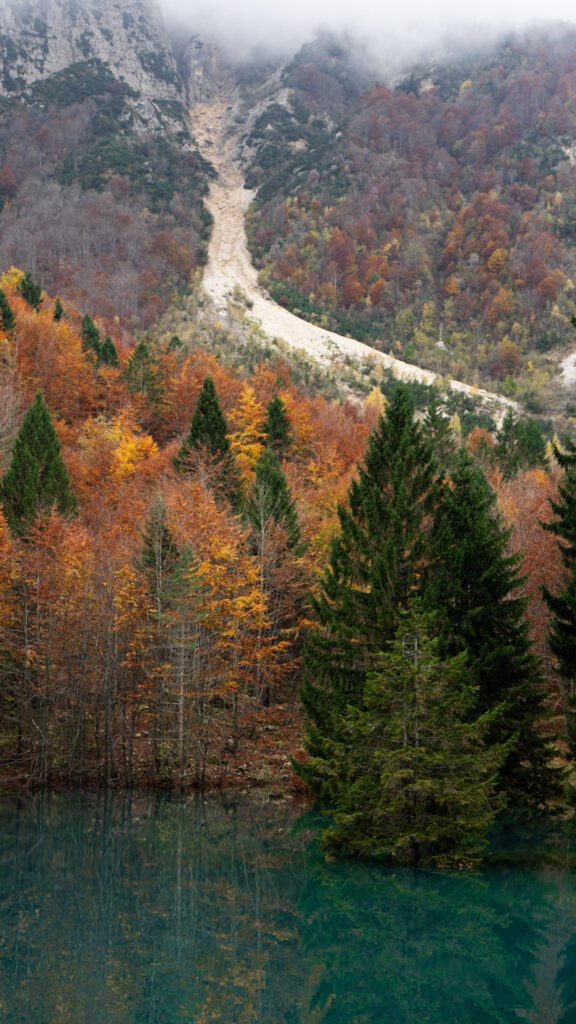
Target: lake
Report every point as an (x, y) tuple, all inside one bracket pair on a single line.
[(124, 909)]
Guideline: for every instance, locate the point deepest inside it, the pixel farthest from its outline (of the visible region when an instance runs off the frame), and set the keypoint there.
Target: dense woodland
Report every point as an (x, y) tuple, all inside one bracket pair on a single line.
[(103, 213), (433, 216), (166, 519)]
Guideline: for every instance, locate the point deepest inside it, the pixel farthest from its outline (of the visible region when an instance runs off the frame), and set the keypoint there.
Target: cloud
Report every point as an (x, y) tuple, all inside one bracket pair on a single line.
[(246, 23)]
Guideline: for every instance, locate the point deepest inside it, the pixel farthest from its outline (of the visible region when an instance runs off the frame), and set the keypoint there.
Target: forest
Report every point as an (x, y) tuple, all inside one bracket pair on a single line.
[(183, 542), (431, 215)]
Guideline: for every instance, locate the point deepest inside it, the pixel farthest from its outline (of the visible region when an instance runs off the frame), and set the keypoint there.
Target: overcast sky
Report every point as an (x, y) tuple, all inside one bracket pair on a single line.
[(292, 21)]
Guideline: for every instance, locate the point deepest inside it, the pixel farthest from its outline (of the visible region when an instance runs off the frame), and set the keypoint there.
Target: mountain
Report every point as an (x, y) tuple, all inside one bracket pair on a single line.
[(100, 180)]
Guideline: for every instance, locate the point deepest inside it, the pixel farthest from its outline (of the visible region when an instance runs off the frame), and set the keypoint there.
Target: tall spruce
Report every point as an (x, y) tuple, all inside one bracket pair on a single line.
[(472, 587), (37, 479), (271, 500), (6, 314), (59, 311), (416, 779), (90, 334), (108, 355), (277, 427), (562, 636), (30, 291), (373, 569), (208, 436)]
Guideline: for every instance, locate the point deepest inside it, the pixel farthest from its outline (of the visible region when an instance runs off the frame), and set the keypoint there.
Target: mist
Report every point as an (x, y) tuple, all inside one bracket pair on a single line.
[(402, 28)]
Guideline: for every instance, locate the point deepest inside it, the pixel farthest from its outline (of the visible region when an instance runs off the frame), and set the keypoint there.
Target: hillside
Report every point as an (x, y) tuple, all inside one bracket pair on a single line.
[(431, 215)]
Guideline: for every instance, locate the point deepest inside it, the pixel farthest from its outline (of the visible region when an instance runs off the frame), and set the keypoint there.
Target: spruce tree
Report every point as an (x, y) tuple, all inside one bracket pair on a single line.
[(30, 291), (520, 445), (90, 334), (59, 312), (6, 314), (208, 435), (107, 355), (472, 587), (374, 567), (562, 636), (416, 779), (277, 427), (37, 479), (271, 499), (142, 373)]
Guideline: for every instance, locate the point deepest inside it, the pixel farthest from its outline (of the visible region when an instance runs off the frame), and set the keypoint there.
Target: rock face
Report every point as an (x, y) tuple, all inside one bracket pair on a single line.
[(40, 38)]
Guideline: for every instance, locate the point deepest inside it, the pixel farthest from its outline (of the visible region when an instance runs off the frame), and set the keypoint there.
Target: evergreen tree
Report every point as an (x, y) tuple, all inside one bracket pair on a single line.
[(90, 334), (271, 499), (108, 356), (562, 637), (31, 291), (277, 427), (373, 569), (6, 314), (472, 586), (59, 312), (439, 429), (37, 479), (415, 779), (208, 434), (142, 372), (520, 445)]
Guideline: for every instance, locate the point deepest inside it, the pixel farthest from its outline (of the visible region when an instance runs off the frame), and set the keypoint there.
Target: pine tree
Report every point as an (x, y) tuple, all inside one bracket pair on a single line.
[(59, 312), (31, 291), (142, 373), (415, 780), (562, 637), (271, 499), (108, 356), (472, 586), (208, 435), (277, 427), (373, 570), (37, 479), (520, 445), (90, 334), (6, 314), (439, 429)]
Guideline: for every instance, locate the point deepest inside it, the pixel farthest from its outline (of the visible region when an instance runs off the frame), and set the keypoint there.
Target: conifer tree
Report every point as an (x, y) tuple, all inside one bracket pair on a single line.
[(562, 636), (30, 291), (59, 312), (277, 427), (6, 314), (271, 499), (37, 479), (142, 373), (415, 780), (107, 355), (439, 429), (208, 434), (520, 445), (372, 572), (472, 587), (90, 334)]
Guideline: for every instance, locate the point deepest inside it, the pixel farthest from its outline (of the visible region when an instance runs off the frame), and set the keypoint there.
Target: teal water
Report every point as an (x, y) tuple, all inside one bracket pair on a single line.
[(155, 910)]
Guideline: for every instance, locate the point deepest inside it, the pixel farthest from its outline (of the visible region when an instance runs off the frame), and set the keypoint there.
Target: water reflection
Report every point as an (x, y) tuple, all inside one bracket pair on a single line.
[(115, 910)]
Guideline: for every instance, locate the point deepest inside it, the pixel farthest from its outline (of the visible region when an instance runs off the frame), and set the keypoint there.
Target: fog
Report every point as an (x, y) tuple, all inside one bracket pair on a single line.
[(407, 26)]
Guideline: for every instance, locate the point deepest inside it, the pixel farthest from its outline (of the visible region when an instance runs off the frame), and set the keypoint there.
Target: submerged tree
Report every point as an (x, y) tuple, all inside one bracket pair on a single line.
[(472, 587), (416, 779), (562, 637), (37, 479), (374, 567)]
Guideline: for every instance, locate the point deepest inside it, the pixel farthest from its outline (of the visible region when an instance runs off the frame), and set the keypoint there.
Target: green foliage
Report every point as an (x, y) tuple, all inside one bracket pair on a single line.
[(31, 291), (107, 354), (373, 569), (277, 427), (142, 372), (520, 445), (6, 314), (415, 779), (271, 499), (37, 479), (562, 637), (90, 334), (472, 587), (59, 312), (208, 436)]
